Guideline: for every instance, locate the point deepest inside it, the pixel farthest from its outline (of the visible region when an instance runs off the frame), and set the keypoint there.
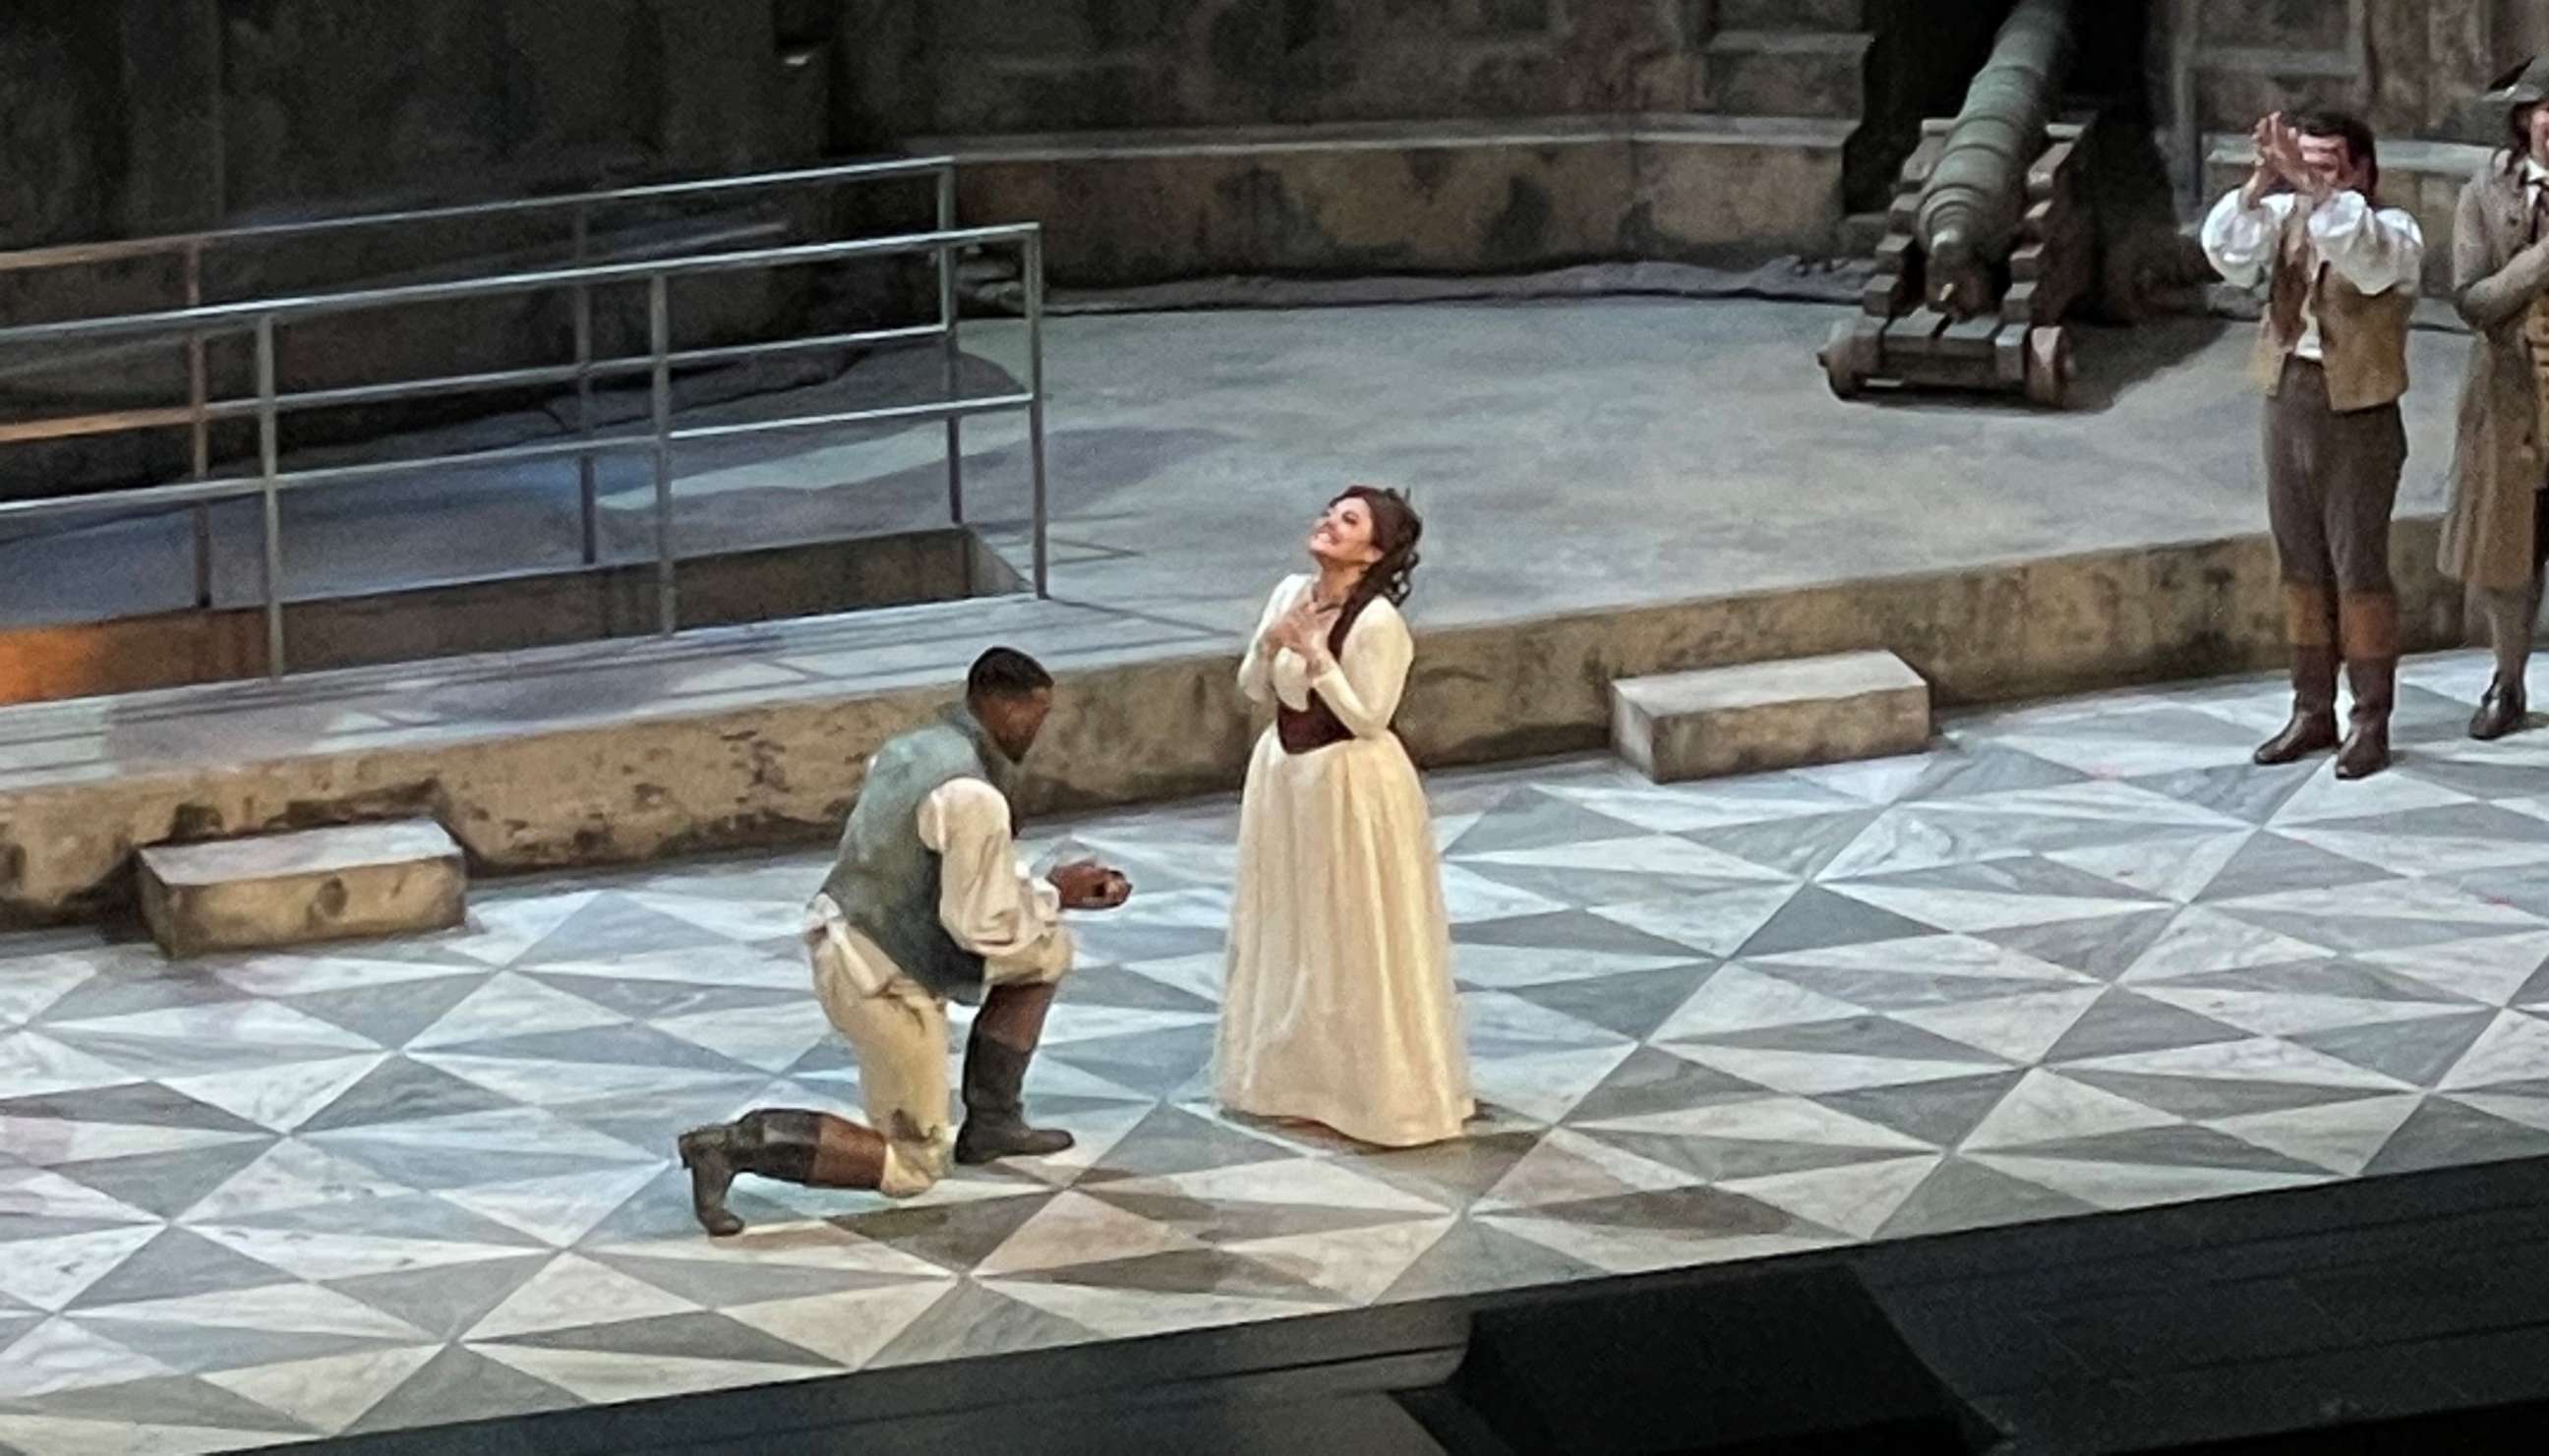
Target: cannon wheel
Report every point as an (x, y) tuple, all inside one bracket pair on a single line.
[(1840, 360), (2048, 366)]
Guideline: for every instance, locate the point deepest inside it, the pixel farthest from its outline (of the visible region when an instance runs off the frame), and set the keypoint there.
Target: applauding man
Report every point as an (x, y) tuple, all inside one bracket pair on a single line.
[(925, 903), (2341, 278)]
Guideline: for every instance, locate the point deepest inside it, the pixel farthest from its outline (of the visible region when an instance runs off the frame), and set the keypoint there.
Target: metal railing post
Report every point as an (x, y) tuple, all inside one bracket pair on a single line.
[(951, 356), (659, 330), (264, 320), (269, 463), (197, 403), (1032, 250), (588, 501), (2184, 24)]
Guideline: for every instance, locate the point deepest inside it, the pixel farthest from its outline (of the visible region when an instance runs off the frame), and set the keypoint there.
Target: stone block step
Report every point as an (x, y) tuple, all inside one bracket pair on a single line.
[(1788, 74), (1792, 15), (1771, 715), (314, 884)]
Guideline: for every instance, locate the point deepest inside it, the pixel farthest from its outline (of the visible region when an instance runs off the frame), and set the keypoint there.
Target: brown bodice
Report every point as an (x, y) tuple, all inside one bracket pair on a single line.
[(1308, 729)]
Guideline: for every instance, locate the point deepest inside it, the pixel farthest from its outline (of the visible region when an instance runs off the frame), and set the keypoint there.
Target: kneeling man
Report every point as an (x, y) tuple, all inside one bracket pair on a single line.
[(926, 903)]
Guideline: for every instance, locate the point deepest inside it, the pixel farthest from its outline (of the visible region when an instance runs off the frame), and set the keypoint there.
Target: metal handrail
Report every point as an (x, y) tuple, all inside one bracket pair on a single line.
[(217, 319), (63, 426), (70, 254), (270, 482), (192, 248), (659, 247)]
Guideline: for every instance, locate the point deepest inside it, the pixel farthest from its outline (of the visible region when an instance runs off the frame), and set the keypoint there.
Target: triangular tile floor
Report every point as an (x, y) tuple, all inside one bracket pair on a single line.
[(2080, 958), (975, 1319)]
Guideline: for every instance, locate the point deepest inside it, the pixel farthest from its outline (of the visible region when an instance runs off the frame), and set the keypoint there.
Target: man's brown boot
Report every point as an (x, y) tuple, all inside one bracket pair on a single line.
[(2368, 636), (814, 1149), (2312, 726), (2309, 626), (708, 1154), (2366, 751), (1004, 1037)]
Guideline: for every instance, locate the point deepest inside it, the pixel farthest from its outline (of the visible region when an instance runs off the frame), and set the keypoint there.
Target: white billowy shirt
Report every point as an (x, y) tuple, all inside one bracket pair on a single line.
[(2376, 249), (989, 903)]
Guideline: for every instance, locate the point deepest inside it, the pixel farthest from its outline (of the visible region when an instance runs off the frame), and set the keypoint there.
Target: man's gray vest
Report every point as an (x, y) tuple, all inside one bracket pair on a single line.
[(886, 882)]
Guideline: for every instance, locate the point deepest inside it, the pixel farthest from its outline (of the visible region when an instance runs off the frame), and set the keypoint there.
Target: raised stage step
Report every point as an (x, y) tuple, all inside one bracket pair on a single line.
[(313, 884), (1764, 716)]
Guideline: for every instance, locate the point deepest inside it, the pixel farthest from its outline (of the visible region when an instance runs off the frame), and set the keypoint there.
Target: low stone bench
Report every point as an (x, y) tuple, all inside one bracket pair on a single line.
[(1762, 716), (317, 884)]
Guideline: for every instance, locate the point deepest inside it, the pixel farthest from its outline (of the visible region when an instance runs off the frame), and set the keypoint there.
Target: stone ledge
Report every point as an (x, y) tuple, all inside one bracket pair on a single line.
[(1793, 15), (1253, 140), (1850, 44), (1432, 196), (613, 772), (1817, 73), (2279, 61), (416, 624), (1769, 715), (285, 889), (2397, 154)]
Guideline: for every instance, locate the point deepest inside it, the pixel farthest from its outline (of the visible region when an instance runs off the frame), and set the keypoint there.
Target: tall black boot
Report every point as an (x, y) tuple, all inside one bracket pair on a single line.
[(2502, 711), (814, 1149), (2510, 618), (995, 1068)]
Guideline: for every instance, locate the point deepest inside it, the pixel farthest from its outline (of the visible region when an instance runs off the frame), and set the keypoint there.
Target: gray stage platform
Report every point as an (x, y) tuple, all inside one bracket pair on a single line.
[(1610, 485)]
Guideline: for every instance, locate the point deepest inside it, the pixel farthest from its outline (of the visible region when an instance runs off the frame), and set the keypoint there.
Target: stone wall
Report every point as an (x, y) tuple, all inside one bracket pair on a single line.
[(2410, 66), (1161, 140), (972, 68), (2523, 29), (148, 115), (154, 115)]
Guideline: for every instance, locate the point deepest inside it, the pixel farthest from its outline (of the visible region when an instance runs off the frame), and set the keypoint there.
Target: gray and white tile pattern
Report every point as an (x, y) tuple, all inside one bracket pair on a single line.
[(2083, 956)]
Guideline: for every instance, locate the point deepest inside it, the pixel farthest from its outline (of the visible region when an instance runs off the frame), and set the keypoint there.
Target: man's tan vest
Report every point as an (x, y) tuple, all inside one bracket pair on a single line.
[(2362, 337)]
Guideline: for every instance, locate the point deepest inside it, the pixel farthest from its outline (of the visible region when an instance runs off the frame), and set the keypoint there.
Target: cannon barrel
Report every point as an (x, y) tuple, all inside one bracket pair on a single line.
[(1976, 192)]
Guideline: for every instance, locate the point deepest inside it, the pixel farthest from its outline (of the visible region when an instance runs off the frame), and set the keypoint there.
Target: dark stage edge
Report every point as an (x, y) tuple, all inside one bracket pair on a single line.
[(2403, 1313)]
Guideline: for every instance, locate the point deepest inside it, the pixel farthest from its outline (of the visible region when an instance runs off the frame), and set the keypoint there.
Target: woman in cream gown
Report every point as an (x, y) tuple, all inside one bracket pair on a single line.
[(1338, 1007)]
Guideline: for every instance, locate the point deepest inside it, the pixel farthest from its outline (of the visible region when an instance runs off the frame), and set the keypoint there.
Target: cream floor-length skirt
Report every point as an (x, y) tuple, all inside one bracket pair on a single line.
[(1338, 1007)]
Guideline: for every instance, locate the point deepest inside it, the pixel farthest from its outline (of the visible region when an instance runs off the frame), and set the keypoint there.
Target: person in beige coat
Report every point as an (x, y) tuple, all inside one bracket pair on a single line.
[(2496, 535)]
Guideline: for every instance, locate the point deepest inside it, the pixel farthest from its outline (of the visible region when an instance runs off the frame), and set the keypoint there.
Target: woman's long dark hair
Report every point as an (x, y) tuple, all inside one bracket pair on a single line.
[(1395, 529)]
